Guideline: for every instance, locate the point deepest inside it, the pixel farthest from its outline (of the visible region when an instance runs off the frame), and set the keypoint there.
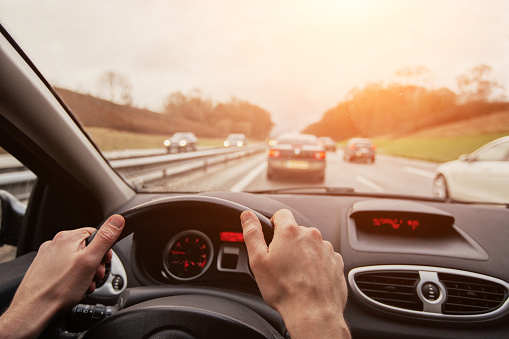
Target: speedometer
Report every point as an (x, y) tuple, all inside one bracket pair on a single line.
[(188, 255)]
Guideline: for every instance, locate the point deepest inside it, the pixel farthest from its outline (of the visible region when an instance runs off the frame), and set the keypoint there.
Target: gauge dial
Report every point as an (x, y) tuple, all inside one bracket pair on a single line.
[(188, 255)]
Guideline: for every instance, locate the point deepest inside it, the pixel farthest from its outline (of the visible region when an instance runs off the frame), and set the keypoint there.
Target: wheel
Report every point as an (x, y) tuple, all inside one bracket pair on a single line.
[(189, 311), (440, 189)]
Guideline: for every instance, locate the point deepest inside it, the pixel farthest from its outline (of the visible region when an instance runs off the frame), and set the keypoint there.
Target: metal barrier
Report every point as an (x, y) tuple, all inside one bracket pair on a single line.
[(137, 170)]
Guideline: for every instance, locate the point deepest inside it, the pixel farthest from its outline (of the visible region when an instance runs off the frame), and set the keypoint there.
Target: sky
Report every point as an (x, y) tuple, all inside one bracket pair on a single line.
[(296, 59)]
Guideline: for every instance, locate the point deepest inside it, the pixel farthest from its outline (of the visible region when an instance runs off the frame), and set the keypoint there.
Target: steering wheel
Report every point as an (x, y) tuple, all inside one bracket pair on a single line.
[(186, 311)]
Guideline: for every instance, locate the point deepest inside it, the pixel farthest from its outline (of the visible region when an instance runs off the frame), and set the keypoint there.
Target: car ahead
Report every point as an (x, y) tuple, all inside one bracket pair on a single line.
[(327, 143), (480, 176), (359, 148), (181, 142), (296, 154), (235, 140)]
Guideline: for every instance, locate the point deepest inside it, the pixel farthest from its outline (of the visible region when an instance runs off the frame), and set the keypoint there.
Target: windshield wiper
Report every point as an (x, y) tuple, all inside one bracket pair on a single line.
[(338, 190), (335, 190)]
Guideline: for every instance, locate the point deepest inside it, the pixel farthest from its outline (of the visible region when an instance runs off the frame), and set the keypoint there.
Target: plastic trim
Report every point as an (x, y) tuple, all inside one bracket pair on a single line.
[(432, 309)]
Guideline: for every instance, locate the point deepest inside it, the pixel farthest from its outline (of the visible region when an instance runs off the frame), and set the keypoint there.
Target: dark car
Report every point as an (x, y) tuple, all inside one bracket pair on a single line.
[(359, 148), (296, 153), (327, 143), (235, 140), (181, 142)]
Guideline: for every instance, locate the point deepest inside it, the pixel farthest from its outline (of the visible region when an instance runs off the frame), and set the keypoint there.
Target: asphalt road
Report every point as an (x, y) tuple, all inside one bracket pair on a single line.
[(387, 175)]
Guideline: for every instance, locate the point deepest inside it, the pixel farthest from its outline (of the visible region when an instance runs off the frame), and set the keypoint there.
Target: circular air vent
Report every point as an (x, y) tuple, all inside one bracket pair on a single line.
[(430, 291)]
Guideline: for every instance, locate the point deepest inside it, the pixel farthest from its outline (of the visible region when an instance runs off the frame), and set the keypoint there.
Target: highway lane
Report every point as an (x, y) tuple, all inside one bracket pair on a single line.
[(388, 174)]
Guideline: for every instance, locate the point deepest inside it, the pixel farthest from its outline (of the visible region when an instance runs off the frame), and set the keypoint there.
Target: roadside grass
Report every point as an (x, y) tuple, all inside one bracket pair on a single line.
[(110, 139), (434, 149)]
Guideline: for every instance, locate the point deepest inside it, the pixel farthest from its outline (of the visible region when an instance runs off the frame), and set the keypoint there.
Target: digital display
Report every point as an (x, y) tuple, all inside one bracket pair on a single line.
[(396, 223), (231, 236)]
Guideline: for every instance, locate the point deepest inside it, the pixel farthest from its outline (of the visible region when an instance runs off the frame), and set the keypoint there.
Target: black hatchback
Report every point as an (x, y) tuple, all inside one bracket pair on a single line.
[(359, 148)]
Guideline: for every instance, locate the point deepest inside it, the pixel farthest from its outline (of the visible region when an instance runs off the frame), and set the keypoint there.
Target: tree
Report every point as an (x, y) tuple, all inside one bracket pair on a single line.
[(478, 85), (115, 88), (420, 76)]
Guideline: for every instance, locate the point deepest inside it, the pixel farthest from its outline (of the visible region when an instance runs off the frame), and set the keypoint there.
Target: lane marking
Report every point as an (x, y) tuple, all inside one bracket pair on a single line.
[(249, 178), (370, 184), (418, 171)]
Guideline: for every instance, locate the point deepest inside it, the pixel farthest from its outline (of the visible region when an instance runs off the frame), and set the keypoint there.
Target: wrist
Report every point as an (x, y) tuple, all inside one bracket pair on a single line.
[(315, 323)]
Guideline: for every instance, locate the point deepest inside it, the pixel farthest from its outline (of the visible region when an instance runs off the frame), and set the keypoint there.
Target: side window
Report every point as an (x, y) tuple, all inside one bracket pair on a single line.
[(16, 183), (495, 153)]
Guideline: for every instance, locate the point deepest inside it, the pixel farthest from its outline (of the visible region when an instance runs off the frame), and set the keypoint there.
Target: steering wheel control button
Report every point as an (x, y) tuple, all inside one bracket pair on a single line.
[(117, 283), (430, 291)]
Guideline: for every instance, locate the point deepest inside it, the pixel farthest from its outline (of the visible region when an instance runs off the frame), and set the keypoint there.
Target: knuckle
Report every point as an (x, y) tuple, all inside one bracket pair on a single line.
[(250, 232), (107, 235), (60, 236), (315, 233)]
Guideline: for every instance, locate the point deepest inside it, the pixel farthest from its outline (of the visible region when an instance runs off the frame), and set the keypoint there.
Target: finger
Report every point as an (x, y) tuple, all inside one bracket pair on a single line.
[(91, 287), (106, 236), (107, 257), (99, 274), (282, 219), (253, 235)]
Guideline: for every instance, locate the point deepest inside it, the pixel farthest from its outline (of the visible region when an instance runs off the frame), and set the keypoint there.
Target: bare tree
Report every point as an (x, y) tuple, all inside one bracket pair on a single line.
[(116, 88), (478, 85), (419, 76)]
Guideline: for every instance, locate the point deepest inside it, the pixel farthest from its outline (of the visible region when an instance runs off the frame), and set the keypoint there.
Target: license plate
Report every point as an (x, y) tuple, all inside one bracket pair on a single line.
[(297, 164)]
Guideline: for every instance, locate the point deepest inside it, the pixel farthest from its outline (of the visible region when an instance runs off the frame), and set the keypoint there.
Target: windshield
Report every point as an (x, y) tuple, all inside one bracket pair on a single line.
[(424, 81)]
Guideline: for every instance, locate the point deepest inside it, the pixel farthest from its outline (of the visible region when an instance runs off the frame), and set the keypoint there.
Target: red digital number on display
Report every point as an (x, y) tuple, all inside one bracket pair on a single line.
[(231, 236), (395, 223)]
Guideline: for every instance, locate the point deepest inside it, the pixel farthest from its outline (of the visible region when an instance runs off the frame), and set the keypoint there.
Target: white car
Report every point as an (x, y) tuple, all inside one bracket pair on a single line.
[(480, 176)]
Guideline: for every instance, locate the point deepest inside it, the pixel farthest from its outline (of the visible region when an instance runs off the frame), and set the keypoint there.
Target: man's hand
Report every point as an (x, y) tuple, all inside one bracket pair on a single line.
[(299, 275), (60, 275)]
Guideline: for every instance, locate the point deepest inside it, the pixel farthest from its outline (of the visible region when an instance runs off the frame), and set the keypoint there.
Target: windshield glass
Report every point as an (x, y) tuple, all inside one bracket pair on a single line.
[(424, 81)]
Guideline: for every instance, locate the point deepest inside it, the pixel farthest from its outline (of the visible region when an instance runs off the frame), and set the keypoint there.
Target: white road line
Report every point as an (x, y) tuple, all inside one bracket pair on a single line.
[(370, 184), (248, 179), (417, 171)]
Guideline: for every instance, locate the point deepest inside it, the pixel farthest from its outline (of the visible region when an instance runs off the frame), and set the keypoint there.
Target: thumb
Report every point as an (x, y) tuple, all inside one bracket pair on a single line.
[(107, 235), (253, 235)]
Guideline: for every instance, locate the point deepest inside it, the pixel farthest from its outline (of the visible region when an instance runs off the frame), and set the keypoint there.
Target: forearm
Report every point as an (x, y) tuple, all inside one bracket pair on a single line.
[(25, 321)]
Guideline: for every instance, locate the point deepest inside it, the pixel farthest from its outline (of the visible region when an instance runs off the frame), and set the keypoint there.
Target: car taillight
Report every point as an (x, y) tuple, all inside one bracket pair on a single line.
[(274, 153), (352, 146), (319, 155)]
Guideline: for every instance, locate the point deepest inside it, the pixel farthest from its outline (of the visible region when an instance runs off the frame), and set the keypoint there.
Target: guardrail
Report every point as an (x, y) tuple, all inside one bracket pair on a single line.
[(17, 180)]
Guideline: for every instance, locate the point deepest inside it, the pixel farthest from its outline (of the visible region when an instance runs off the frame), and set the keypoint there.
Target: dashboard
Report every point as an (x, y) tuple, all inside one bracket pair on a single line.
[(414, 268)]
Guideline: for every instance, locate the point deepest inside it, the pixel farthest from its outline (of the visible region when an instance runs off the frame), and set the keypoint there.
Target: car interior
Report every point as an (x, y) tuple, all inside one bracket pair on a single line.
[(415, 267)]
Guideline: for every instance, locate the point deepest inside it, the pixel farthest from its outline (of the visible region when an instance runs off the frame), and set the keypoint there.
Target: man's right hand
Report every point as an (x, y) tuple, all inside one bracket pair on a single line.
[(299, 275)]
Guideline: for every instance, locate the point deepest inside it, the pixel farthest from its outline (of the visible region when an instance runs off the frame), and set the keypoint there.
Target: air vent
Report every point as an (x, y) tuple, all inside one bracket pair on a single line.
[(467, 295), (397, 289), (458, 295)]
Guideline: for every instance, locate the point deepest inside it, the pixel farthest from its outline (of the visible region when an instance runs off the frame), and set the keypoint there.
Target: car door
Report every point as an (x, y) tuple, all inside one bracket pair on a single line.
[(492, 166), (484, 175)]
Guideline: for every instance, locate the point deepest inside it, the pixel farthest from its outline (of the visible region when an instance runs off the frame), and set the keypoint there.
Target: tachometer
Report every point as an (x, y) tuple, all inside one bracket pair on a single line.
[(188, 255)]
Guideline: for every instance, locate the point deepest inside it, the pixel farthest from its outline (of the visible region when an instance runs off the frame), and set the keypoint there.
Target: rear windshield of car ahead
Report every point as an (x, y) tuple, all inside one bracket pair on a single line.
[(297, 141)]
